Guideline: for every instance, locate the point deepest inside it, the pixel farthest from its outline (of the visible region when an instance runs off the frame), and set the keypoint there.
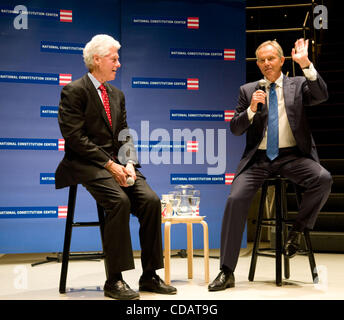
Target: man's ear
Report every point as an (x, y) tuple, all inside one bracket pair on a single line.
[(96, 59)]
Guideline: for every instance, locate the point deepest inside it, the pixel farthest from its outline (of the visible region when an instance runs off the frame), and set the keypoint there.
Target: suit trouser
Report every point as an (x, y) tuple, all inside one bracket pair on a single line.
[(118, 203), (290, 164)]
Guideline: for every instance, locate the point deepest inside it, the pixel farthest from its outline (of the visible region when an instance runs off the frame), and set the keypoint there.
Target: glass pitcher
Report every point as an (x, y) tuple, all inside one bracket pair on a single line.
[(184, 206)]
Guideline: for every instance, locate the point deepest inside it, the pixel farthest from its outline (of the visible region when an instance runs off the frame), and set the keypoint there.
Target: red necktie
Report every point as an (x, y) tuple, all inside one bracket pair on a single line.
[(106, 103)]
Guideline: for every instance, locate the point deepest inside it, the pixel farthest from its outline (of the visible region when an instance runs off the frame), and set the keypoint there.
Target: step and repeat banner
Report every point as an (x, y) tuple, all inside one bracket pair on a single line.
[(182, 65)]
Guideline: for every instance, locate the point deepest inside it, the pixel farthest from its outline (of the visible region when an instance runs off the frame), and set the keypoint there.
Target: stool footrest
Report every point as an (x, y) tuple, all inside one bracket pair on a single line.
[(86, 255), (268, 224), (266, 255), (272, 222), (85, 224)]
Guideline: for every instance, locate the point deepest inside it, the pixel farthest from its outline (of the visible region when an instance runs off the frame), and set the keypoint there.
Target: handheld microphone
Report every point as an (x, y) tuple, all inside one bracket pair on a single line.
[(262, 84), (130, 181)]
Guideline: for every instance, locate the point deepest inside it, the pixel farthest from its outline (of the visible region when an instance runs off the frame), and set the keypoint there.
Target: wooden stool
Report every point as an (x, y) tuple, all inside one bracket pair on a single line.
[(167, 251)]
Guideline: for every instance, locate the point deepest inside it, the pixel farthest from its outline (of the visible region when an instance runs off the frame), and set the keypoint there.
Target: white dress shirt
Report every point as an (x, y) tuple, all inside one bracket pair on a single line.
[(96, 84), (286, 137)]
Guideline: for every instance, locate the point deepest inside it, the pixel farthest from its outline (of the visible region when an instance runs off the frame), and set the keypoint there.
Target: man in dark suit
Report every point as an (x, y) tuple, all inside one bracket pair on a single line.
[(278, 141), (100, 155)]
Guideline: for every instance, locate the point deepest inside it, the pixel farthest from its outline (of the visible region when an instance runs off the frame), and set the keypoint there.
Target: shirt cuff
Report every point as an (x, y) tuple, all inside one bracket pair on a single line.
[(108, 164), (250, 114), (310, 72)]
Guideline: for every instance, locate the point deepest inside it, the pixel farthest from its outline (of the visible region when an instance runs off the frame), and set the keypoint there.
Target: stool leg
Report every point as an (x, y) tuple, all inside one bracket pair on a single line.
[(167, 252), (311, 256), (189, 249), (285, 228), (258, 233), (101, 217), (298, 195), (278, 233), (206, 250), (68, 237)]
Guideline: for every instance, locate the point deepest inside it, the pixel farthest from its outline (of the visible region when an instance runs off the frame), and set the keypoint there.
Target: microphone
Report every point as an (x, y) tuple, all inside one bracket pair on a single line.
[(262, 84), (130, 181)]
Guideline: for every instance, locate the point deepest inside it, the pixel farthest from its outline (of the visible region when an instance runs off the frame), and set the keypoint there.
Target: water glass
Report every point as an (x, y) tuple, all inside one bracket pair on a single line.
[(175, 205), (194, 204)]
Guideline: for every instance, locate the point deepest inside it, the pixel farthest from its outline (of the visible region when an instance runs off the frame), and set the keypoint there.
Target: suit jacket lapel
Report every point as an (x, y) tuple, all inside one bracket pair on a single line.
[(289, 100), (97, 101)]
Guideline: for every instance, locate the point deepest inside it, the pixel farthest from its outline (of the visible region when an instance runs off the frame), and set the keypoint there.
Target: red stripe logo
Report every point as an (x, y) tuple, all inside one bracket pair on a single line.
[(62, 212), (229, 54), (229, 114), (192, 84), (193, 22), (66, 15), (229, 178), (61, 145), (192, 146), (64, 78)]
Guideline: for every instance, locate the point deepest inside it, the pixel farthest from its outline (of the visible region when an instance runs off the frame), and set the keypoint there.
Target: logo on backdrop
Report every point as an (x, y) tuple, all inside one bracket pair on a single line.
[(215, 54), (35, 78), (33, 212), (31, 144), (201, 115), (165, 83), (199, 178), (188, 23)]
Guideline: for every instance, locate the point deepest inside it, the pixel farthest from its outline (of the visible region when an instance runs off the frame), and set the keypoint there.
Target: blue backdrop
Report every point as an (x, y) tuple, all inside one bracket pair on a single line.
[(182, 65)]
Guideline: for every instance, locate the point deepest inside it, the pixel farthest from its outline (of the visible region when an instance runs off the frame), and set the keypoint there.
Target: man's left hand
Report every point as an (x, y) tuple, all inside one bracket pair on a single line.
[(300, 53), (131, 170)]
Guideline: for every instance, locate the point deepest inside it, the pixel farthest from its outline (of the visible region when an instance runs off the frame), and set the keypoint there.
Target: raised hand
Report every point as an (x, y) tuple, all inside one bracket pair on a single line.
[(300, 53)]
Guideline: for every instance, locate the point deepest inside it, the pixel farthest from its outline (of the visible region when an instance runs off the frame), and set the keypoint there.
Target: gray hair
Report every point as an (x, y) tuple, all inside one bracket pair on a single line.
[(273, 43), (100, 45)]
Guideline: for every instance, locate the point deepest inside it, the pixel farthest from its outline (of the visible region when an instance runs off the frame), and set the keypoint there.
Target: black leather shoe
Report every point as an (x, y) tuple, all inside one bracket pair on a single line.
[(223, 280), (155, 284), (292, 244), (120, 290)]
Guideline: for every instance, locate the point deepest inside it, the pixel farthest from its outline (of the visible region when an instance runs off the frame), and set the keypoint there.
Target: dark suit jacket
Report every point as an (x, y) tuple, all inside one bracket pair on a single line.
[(89, 139), (298, 93)]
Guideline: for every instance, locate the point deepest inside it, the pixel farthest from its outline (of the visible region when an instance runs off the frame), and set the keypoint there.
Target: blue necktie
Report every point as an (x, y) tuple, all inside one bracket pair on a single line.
[(272, 143)]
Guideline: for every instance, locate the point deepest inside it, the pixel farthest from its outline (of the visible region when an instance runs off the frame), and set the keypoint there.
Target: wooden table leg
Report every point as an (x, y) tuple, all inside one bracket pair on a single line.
[(167, 252), (189, 249), (206, 250)]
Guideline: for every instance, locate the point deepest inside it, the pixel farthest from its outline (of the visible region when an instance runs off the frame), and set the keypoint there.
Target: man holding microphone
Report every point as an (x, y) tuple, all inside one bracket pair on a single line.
[(278, 141)]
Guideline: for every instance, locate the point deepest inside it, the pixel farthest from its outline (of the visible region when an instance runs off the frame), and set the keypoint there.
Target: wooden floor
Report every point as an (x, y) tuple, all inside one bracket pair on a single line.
[(20, 281)]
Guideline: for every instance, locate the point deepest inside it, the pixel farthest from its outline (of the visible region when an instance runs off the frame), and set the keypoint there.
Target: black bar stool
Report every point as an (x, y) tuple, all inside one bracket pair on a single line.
[(280, 222), (67, 255)]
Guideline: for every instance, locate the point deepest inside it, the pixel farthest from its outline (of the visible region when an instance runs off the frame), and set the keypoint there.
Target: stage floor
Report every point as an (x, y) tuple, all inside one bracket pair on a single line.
[(20, 281)]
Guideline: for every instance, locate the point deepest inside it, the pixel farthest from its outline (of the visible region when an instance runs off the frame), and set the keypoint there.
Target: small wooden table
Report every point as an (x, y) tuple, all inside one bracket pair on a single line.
[(189, 220)]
